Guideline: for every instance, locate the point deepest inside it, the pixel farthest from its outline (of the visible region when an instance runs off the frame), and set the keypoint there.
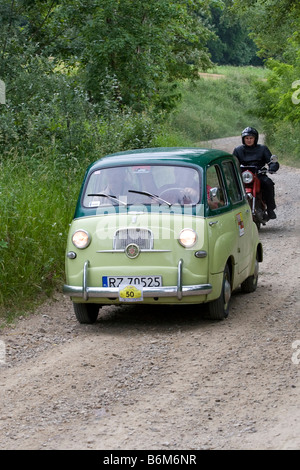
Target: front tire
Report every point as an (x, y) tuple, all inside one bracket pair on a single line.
[(219, 309), (250, 284), (86, 313)]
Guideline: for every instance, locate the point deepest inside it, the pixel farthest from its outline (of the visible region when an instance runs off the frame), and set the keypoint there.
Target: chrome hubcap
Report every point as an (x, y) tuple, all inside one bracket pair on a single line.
[(227, 292), (256, 270)]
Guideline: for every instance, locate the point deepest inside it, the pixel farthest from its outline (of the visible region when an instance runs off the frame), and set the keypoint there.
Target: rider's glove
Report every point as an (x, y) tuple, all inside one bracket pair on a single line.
[(273, 167)]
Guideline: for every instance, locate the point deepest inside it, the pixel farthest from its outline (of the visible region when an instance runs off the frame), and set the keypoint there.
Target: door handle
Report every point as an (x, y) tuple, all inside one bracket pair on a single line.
[(213, 223)]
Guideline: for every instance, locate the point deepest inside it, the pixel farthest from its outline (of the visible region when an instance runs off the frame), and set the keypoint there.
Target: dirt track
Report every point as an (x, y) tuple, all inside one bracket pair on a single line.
[(165, 378)]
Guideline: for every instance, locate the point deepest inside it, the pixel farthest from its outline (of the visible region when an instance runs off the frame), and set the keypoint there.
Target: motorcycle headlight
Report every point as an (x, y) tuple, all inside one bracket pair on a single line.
[(187, 237), (247, 177), (81, 239)]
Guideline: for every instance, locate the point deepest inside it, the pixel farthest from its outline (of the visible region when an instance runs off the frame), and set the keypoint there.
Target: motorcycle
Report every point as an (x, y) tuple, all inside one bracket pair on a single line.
[(252, 186)]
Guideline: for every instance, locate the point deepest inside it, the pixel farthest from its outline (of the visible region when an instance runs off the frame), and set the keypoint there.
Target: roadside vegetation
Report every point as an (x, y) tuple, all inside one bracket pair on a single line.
[(216, 107), (84, 79), (278, 41)]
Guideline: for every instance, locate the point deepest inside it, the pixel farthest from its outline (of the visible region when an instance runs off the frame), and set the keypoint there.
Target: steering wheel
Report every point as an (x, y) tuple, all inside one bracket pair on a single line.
[(173, 195)]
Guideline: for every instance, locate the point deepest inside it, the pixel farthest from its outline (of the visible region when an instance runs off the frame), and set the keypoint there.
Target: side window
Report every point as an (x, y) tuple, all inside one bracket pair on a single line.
[(235, 190), (216, 195)]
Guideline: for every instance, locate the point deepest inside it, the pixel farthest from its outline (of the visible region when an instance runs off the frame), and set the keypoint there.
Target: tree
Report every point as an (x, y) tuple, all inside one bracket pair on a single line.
[(232, 44), (275, 29), (272, 24), (134, 50), (69, 62), (142, 46)]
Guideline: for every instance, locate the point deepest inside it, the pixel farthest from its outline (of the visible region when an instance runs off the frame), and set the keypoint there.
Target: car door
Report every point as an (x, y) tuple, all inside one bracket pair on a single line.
[(220, 223), (241, 213)]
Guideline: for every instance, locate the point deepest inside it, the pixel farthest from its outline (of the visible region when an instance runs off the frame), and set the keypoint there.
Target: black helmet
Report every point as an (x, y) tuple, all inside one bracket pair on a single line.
[(250, 131)]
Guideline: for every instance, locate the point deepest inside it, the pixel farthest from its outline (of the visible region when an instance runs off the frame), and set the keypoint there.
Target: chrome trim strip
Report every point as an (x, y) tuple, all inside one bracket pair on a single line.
[(179, 279), (142, 250), (84, 280)]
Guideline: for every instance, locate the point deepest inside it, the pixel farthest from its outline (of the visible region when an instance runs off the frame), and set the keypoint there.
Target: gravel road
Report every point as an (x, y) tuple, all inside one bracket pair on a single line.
[(164, 378)]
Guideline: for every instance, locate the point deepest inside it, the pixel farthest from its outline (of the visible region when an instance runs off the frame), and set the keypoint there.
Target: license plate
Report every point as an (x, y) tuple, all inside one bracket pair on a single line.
[(137, 281)]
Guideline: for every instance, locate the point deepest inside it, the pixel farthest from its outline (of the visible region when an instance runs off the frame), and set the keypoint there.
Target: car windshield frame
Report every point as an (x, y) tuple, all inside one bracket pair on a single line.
[(154, 185)]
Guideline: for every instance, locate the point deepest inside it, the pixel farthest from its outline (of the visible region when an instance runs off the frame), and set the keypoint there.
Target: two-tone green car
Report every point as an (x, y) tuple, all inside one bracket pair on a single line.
[(161, 226)]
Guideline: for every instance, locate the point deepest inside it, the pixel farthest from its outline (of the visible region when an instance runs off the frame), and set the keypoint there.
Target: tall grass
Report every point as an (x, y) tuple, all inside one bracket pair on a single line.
[(37, 204), (214, 108)]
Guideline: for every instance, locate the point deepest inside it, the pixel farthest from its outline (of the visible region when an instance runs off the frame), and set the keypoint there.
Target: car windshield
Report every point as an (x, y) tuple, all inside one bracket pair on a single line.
[(143, 184)]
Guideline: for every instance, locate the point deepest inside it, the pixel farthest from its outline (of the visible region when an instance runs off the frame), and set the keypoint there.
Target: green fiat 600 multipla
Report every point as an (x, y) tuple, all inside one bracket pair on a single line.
[(161, 226)]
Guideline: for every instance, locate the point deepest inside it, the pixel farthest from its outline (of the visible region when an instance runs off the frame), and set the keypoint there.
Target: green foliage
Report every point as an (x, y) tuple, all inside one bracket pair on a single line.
[(217, 108), (232, 44), (138, 45), (278, 99), (76, 73), (278, 105), (143, 45), (54, 112), (272, 23)]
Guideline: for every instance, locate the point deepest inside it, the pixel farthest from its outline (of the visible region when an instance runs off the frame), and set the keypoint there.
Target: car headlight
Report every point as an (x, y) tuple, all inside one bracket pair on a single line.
[(187, 237), (247, 177), (81, 239)]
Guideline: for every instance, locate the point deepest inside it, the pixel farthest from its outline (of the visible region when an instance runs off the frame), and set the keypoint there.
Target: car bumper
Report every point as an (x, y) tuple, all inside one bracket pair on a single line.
[(179, 291)]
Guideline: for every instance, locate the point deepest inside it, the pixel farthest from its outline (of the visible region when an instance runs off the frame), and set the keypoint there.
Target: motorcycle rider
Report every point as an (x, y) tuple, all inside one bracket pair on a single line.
[(252, 153)]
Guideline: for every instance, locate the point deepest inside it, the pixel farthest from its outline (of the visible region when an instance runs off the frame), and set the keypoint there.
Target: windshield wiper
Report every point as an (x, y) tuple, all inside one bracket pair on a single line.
[(153, 196), (109, 196)]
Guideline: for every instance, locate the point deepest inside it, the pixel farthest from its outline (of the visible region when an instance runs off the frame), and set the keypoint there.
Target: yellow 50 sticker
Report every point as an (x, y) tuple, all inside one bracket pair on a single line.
[(130, 293)]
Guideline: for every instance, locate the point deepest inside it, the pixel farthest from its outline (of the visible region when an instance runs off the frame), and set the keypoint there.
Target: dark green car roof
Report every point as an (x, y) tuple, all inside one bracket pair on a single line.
[(196, 156)]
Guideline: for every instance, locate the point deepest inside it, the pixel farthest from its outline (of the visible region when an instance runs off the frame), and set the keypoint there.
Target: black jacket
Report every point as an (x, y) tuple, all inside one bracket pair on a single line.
[(257, 155)]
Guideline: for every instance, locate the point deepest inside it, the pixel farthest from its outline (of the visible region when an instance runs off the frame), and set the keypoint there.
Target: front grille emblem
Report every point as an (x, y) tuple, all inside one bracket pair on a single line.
[(132, 250)]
